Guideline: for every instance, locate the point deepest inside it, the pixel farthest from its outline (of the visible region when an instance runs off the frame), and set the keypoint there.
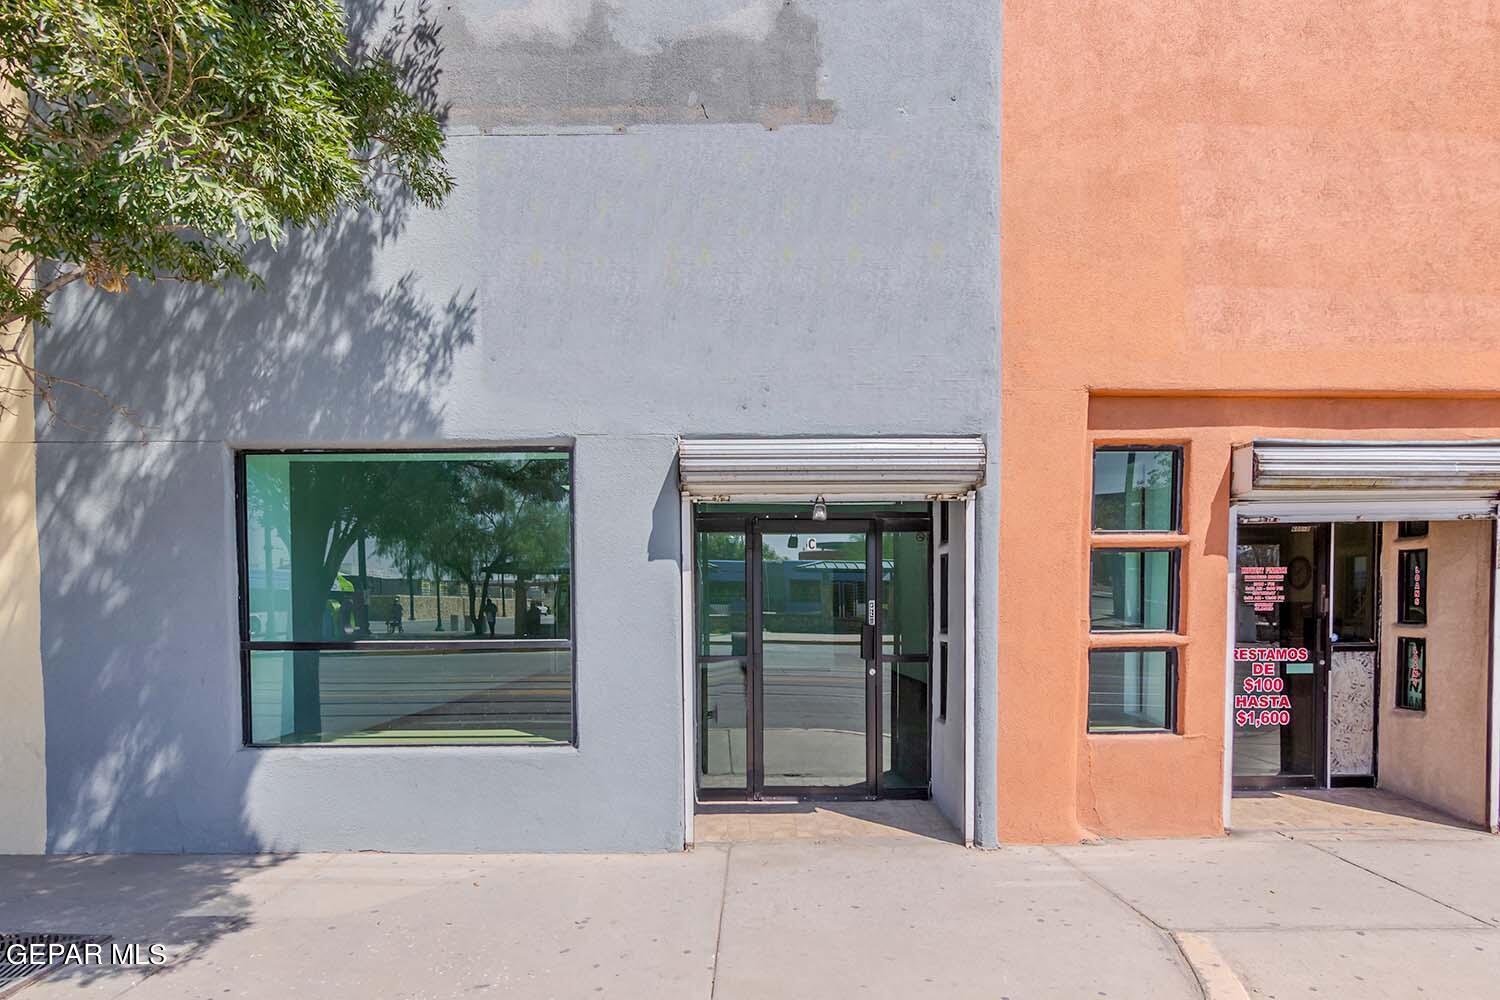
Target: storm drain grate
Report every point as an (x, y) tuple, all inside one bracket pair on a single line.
[(16, 974)]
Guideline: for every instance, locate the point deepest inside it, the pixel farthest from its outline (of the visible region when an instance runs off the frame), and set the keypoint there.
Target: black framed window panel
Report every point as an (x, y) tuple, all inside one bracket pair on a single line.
[(943, 681), (1411, 673), (1132, 690), (905, 672), (1133, 589), (394, 598), (943, 593), (722, 602), (1411, 529), (1137, 488), (1356, 578), (1414, 587)]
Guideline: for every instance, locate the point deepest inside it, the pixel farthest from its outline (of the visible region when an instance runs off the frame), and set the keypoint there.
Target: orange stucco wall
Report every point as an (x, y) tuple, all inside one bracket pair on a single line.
[(1219, 222)]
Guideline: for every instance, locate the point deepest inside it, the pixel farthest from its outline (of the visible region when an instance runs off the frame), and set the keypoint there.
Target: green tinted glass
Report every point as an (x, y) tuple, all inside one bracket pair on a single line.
[(722, 600), (813, 611), (396, 696), (1135, 489), (1129, 689), (904, 724), (438, 545), (906, 608), (1131, 589)]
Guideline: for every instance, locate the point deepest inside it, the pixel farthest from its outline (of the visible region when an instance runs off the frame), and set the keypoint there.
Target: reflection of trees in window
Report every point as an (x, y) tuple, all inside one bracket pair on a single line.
[(477, 520), (731, 546), (480, 519), (500, 519), (1145, 491)]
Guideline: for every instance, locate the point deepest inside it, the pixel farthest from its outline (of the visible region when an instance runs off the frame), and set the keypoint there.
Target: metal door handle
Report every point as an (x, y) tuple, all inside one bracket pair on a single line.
[(872, 671)]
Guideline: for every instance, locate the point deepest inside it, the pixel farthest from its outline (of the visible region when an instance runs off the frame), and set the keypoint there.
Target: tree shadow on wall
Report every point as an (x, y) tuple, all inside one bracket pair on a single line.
[(139, 581), (329, 339)]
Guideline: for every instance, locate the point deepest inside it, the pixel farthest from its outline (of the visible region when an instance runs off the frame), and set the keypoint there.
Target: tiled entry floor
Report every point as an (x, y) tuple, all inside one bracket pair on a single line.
[(719, 822), (1336, 809)]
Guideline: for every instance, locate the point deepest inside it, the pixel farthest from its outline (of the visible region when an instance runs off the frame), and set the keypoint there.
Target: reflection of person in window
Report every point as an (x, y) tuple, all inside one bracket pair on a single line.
[(336, 623), (490, 610)]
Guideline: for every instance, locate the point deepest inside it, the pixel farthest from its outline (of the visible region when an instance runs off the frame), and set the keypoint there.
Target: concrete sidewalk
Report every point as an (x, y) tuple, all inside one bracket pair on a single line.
[(1373, 914)]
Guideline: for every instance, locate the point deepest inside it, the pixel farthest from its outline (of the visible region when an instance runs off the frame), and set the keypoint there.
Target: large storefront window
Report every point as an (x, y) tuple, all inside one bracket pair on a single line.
[(414, 597)]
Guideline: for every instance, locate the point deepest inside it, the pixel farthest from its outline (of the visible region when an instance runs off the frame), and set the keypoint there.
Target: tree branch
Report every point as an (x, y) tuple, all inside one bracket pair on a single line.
[(60, 282)]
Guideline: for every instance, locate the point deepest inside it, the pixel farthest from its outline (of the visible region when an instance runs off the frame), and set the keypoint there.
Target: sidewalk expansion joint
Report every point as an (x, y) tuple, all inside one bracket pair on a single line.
[(1400, 885), (713, 987), (1184, 958)]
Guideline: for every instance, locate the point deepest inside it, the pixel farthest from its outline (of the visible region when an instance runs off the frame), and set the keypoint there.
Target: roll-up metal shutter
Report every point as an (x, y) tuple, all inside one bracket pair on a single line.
[(1445, 478), (835, 468)]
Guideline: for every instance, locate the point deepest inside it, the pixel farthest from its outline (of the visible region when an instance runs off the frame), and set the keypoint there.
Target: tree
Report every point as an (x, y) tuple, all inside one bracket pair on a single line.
[(501, 519), (162, 139)]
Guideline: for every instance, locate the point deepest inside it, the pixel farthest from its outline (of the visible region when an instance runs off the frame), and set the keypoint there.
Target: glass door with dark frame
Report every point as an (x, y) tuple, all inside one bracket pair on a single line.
[(1279, 705), (813, 656), (722, 604), (815, 662)]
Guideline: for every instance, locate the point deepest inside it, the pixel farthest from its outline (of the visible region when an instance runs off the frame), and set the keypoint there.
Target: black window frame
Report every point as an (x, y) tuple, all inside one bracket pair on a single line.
[(943, 593), (247, 645), (1405, 558), (1402, 643), (1177, 472), (1409, 529), (1377, 593), (1174, 671), (1174, 594), (942, 680)]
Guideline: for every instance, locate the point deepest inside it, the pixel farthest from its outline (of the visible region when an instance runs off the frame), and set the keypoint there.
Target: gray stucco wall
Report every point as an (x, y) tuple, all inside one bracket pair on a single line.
[(610, 271)]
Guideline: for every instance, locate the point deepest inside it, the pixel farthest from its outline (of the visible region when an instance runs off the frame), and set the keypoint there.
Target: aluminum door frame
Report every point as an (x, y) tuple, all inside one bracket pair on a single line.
[(757, 789)]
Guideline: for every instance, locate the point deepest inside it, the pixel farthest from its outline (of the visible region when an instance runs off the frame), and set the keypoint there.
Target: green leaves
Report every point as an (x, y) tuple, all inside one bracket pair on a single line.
[(162, 138)]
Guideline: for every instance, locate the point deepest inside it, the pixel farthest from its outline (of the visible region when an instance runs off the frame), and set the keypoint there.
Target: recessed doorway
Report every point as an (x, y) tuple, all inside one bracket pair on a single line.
[(1305, 663), (813, 652)]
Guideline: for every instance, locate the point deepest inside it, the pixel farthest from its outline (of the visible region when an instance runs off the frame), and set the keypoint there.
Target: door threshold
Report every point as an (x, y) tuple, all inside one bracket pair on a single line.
[(785, 799)]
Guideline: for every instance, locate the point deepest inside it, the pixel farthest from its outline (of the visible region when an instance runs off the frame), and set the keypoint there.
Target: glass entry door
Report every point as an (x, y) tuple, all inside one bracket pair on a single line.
[(813, 656), (1281, 656)]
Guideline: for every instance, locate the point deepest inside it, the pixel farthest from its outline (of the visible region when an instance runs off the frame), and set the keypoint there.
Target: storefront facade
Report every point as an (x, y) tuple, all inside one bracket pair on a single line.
[(1215, 242), (627, 481), (406, 563), (1359, 567)]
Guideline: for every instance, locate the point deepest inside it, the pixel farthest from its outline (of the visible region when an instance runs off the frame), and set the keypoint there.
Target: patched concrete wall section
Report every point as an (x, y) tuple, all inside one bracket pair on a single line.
[(546, 65)]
